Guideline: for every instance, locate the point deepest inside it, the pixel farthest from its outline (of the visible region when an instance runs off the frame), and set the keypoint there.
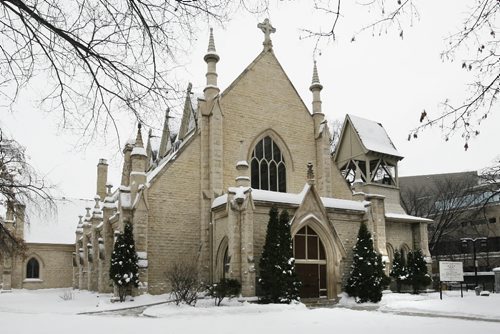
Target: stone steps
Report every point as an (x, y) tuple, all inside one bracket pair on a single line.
[(319, 302)]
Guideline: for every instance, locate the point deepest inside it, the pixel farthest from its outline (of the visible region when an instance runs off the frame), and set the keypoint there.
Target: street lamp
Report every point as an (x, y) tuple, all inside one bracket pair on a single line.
[(465, 242)]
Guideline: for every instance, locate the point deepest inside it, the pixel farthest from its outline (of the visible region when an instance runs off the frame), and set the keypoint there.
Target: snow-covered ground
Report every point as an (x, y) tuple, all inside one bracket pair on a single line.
[(46, 311)]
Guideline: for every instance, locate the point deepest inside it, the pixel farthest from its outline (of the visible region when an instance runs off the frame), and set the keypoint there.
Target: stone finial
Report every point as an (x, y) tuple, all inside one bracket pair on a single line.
[(211, 42), (88, 211), (211, 54), (315, 84), (315, 78), (109, 186), (165, 143), (267, 29), (243, 179), (211, 89), (138, 138), (149, 149), (357, 185), (310, 173), (357, 176)]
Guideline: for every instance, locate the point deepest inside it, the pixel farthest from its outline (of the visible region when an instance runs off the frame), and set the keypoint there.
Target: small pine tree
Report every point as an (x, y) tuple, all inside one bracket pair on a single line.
[(268, 282), (291, 286), (417, 271), (278, 281), (124, 271), (367, 278), (399, 270)]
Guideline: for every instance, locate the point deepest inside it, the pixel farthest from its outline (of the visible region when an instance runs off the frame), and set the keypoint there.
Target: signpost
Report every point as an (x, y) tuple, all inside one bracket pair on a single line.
[(450, 271)]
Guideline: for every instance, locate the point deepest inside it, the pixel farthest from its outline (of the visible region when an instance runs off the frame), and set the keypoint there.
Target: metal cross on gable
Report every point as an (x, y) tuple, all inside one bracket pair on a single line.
[(267, 29)]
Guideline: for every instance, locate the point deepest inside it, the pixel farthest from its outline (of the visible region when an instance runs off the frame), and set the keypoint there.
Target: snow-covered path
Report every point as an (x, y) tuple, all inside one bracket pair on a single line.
[(44, 312), (286, 321)]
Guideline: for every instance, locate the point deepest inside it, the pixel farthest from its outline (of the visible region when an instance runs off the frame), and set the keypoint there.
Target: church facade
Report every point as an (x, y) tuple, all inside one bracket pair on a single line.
[(205, 196)]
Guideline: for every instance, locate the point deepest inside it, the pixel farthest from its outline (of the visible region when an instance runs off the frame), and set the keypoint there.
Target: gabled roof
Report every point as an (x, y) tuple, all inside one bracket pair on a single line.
[(252, 65), (293, 199), (373, 136), (188, 121)]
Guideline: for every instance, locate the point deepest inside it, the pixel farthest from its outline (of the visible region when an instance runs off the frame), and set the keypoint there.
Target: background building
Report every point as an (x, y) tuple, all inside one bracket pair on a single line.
[(465, 207)]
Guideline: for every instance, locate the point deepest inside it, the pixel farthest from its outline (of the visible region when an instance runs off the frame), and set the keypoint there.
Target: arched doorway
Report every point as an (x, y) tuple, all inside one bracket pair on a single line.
[(310, 263), (222, 261)]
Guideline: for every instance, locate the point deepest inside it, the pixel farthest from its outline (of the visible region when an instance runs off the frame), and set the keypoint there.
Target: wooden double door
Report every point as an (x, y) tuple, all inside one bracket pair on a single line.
[(310, 264), (313, 278)]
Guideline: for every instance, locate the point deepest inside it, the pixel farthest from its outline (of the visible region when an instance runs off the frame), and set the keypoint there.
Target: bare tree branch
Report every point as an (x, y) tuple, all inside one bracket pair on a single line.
[(19, 182), (103, 58), (478, 41)]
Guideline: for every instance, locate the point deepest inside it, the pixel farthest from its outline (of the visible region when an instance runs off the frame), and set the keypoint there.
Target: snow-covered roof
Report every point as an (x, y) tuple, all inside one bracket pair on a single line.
[(373, 136), (139, 151), (405, 217), (59, 227), (171, 156), (292, 198)]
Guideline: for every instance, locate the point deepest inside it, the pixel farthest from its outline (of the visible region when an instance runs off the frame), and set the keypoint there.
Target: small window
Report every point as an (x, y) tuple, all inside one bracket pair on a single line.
[(32, 269), (492, 220)]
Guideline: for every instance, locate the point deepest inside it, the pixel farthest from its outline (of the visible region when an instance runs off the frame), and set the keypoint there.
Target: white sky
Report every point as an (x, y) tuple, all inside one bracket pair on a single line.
[(383, 78)]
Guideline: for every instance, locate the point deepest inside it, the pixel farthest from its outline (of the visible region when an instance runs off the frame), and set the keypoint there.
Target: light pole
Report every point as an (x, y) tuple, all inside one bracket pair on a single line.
[(465, 243)]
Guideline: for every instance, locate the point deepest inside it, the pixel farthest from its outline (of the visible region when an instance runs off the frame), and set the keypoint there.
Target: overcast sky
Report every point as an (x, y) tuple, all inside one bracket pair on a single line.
[(383, 78)]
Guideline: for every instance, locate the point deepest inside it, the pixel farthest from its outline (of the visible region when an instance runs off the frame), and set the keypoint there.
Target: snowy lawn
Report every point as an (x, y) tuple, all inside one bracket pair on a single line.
[(52, 301), (470, 306), (43, 311)]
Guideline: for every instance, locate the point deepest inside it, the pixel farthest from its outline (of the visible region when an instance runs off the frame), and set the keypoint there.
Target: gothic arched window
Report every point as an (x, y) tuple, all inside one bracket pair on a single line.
[(32, 268), (268, 168)]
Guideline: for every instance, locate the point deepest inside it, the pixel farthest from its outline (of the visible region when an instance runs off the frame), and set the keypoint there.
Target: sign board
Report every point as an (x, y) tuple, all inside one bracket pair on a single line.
[(451, 271)]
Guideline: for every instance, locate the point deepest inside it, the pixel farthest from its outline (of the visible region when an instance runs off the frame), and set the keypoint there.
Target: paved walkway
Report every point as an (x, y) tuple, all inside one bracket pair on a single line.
[(137, 311), (418, 313), (126, 311)]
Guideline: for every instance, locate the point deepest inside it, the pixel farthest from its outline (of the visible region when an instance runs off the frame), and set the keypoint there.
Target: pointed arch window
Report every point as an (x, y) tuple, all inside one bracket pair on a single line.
[(268, 168), (33, 268)]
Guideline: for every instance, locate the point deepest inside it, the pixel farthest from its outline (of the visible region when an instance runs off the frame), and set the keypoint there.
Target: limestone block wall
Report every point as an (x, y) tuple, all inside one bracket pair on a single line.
[(174, 216), (399, 234), (17, 274), (220, 230), (56, 267), (347, 227), (391, 194), (140, 225), (265, 99)]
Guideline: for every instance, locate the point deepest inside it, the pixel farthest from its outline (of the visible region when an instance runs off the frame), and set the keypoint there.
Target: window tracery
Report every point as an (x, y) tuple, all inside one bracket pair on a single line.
[(268, 169)]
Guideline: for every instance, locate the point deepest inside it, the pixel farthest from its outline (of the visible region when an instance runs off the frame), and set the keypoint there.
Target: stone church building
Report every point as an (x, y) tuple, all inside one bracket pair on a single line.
[(205, 196)]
